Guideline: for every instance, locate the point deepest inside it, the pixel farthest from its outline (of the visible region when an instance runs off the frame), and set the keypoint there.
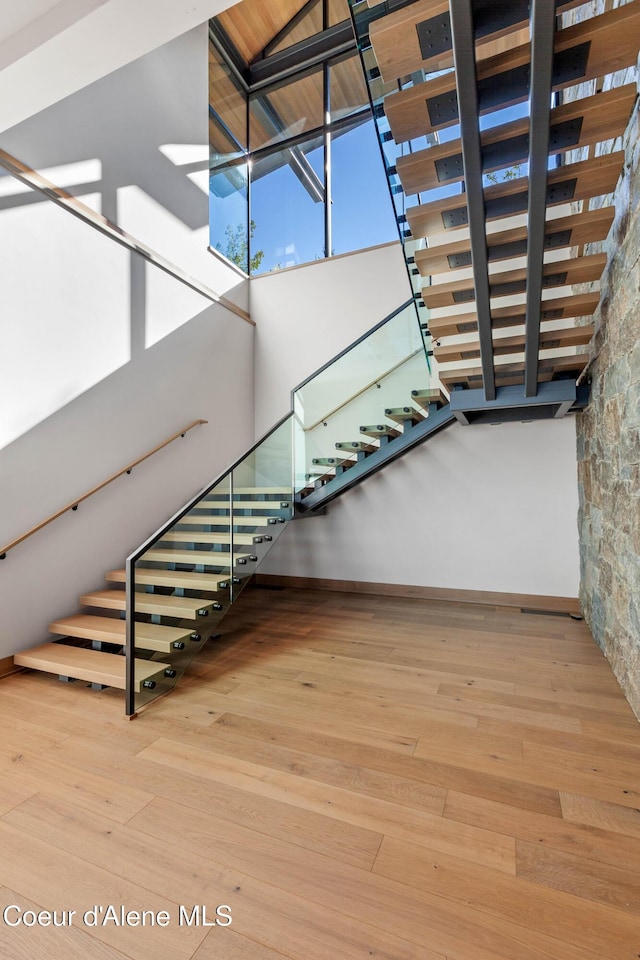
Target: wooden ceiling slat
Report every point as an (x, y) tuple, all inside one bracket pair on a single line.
[(594, 178), (613, 44), (578, 229), (604, 116), (253, 23)]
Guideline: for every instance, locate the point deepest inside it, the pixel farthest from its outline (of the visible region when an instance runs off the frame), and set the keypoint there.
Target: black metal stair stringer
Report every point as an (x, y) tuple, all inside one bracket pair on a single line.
[(437, 420)]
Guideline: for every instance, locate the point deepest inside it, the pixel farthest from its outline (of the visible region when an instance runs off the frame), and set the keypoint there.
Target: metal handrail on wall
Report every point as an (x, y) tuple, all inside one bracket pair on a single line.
[(73, 505)]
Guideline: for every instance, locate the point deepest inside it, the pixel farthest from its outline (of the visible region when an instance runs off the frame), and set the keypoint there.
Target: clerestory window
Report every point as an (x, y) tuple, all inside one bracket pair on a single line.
[(295, 169)]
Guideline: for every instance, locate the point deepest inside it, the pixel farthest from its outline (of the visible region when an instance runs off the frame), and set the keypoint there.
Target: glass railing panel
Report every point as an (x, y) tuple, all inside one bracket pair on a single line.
[(375, 374), (184, 578), (181, 590), (262, 501)]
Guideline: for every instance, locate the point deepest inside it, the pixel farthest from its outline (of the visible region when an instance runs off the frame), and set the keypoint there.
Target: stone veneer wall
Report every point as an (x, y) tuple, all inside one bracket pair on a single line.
[(608, 434)]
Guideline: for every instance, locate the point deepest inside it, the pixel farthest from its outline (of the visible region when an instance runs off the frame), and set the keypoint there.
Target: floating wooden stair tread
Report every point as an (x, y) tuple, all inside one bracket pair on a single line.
[(220, 520), (149, 636), (209, 582), (253, 491), (508, 374), (428, 396), (332, 461), (379, 430), (401, 414), (182, 608), (201, 536), (575, 230), (208, 558), (401, 39), (93, 666), (558, 308), (356, 446), (549, 340), (586, 50), (570, 182), (560, 273), (574, 124), (214, 504)]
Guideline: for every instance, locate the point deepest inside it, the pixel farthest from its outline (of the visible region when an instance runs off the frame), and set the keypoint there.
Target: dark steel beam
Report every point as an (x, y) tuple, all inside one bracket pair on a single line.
[(462, 29), (436, 421), (561, 393), (308, 53), (543, 18), (286, 30)]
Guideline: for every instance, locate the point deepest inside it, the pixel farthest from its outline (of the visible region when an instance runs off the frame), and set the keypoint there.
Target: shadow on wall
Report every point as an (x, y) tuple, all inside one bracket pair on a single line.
[(77, 307)]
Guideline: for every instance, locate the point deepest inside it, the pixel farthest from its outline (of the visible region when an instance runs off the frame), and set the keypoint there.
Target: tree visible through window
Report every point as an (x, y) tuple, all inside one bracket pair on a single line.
[(236, 247)]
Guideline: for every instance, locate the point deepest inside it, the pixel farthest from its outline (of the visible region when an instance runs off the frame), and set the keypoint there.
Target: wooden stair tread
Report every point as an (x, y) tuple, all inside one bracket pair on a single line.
[(549, 339), (332, 461), (604, 116), (219, 520), (179, 607), (94, 666), (586, 178), (577, 305), (400, 414), (208, 558), (560, 273), (395, 39), (427, 396), (356, 446), (220, 504), (209, 582), (508, 374), (149, 636), (613, 44), (575, 230), (201, 536), (245, 491), (379, 430)]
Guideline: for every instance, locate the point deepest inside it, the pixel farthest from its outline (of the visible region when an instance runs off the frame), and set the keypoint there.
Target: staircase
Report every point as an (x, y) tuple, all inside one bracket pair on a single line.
[(184, 587), (140, 632)]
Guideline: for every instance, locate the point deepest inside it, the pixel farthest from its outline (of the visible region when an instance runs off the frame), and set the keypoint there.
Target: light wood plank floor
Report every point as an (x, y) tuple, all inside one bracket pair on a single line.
[(354, 776)]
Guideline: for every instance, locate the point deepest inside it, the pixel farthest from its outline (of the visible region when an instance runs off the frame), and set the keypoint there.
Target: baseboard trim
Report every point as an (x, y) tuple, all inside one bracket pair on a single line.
[(528, 601), (7, 667)]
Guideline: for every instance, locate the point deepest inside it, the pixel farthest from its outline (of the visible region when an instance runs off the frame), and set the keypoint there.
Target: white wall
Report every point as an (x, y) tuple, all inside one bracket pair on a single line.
[(105, 355), (474, 508), (306, 315), (50, 48), (134, 146), (477, 508)]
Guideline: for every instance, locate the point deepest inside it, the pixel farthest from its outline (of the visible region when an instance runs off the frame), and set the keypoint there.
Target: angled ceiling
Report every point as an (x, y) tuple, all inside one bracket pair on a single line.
[(49, 49)]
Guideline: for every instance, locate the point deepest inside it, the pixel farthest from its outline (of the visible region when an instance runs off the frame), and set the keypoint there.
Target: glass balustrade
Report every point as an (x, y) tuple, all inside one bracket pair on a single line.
[(183, 580), (374, 375)]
